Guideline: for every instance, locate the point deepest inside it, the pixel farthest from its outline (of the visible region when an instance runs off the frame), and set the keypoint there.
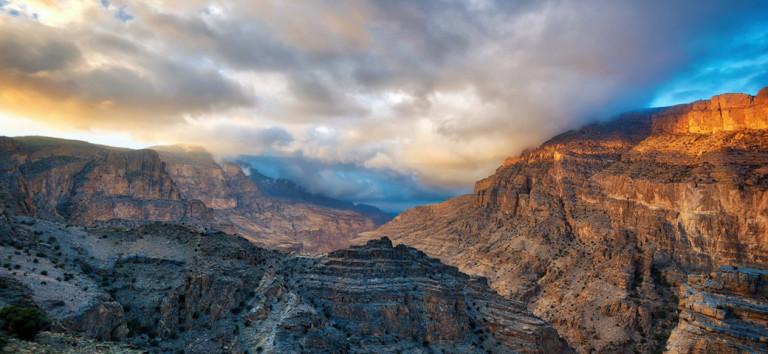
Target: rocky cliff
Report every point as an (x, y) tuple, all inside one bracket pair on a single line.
[(87, 185), (83, 184), (594, 226), (289, 224), (385, 298), (723, 312), (168, 287)]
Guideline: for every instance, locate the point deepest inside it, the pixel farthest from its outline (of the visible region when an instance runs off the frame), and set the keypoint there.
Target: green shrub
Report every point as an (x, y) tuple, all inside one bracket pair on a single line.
[(23, 322), (86, 268)]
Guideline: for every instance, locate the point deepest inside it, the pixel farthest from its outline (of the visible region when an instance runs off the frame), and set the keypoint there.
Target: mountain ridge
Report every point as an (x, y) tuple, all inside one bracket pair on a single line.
[(587, 225), (86, 184)]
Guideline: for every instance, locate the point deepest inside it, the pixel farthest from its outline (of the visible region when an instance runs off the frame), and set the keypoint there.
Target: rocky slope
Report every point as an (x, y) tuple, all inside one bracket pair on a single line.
[(85, 184), (239, 206), (723, 312), (594, 226), (169, 287)]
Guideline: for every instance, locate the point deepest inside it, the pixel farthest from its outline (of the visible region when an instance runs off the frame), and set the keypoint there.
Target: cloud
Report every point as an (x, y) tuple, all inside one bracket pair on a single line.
[(34, 53), (439, 92), (103, 80)]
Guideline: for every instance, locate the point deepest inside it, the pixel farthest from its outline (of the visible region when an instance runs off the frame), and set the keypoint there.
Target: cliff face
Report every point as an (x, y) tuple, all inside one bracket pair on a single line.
[(85, 184), (287, 224), (397, 298), (723, 312), (588, 225), (727, 112), (164, 287), (127, 185), (220, 186)]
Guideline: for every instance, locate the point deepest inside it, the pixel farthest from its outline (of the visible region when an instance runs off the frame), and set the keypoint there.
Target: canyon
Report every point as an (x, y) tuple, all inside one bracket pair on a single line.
[(646, 232), (166, 287), (597, 227)]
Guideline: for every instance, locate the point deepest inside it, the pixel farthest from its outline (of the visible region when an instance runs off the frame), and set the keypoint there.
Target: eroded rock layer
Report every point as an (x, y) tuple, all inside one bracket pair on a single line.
[(387, 297), (87, 185), (723, 312), (594, 226), (168, 287)]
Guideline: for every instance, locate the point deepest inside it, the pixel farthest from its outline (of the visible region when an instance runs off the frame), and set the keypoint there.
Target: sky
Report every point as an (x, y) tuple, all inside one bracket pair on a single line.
[(393, 103)]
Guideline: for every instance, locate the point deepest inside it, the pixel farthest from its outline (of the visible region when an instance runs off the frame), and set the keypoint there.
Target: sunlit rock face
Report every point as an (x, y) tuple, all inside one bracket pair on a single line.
[(595, 226), (723, 312), (90, 185), (727, 112)]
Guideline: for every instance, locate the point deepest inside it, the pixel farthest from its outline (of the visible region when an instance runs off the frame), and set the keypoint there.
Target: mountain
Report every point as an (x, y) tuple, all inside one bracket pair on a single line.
[(90, 185), (240, 206), (166, 287), (80, 183), (596, 227), (285, 188)]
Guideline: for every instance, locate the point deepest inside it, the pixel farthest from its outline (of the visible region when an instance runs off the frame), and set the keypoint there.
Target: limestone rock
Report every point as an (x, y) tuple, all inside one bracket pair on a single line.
[(102, 320), (723, 312), (384, 298)]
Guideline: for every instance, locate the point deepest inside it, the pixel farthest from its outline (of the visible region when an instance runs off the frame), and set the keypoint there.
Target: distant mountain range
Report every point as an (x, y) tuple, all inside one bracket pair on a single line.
[(285, 188)]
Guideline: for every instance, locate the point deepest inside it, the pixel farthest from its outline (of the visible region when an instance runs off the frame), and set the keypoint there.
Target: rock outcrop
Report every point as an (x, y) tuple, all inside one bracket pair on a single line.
[(723, 312), (384, 298), (84, 184), (592, 227)]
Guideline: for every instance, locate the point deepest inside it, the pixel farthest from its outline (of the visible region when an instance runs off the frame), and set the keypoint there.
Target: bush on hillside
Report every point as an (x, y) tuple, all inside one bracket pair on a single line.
[(24, 322)]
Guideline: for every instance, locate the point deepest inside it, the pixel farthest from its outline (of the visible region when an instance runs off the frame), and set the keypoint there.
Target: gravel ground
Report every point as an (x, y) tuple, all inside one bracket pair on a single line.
[(48, 342)]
